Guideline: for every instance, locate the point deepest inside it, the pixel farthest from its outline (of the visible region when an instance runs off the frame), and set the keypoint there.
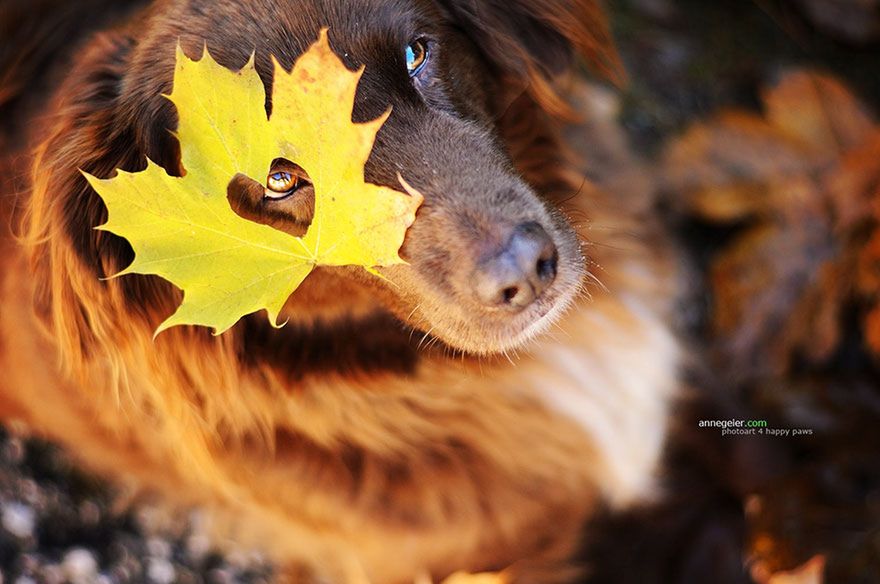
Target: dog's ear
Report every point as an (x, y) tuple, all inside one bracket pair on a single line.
[(527, 37), (38, 36), (89, 131)]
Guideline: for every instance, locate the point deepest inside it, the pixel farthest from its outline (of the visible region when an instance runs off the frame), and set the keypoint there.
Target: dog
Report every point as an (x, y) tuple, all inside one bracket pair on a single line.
[(466, 412)]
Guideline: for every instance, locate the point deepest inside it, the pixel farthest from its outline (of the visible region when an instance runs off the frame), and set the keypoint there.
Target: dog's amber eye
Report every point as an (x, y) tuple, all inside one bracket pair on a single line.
[(285, 178), (280, 183), (416, 56)]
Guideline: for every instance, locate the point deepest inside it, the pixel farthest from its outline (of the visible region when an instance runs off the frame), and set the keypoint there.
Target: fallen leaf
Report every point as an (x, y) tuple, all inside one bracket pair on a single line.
[(731, 147), (483, 578), (811, 572), (868, 275), (802, 182), (853, 21), (183, 228), (817, 111)]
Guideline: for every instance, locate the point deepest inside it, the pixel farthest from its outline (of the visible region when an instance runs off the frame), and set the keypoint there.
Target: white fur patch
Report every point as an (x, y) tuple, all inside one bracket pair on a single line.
[(615, 378)]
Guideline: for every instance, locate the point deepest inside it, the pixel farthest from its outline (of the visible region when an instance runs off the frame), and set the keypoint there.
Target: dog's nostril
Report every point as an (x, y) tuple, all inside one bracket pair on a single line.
[(517, 274), (510, 293)]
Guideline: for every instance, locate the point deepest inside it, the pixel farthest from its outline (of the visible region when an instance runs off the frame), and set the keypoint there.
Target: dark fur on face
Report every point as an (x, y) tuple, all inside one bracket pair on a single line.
[(442, 137), (339, 441)]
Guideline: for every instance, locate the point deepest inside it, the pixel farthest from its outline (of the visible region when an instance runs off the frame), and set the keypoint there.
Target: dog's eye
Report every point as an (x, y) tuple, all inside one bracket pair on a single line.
[(285, 178), (416, 56), (280, 183)]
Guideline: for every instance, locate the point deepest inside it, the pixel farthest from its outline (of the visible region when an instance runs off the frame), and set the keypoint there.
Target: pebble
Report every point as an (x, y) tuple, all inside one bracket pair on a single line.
[(158, 547), (89, 513), (29, 563), (14, 453), (30, 492), (52, 574), (197, 547), (18, 519), (219, 576), (80, 566), (160, 571)]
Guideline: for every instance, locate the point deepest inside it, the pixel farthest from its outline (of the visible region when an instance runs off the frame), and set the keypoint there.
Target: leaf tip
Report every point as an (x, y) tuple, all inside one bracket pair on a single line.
[(376, 124), (129, 269), (90, 178), (412, 192), (164, 326), (374, 271), (321, 47), (178, 52), (116, 275), (251, 62), (219, 330), (272, 316)]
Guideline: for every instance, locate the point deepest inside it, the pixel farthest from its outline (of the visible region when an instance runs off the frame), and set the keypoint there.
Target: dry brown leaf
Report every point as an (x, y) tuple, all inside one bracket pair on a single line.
[(868, 278), (805, 180), (484, 578), (733, 202), (854, 21), (730, 148), (766, 284), (817, 111), (853, 185), (811, 572)]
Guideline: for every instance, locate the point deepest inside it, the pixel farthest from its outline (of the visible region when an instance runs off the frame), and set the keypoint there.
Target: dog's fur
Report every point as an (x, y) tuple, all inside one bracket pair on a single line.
[(342, 442)]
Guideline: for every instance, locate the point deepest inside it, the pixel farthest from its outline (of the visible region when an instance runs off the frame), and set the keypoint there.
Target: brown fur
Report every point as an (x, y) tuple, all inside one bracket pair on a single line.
[(381, 457)]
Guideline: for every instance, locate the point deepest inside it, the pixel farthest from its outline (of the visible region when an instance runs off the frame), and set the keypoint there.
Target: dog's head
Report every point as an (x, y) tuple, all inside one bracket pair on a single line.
[(489, 261)]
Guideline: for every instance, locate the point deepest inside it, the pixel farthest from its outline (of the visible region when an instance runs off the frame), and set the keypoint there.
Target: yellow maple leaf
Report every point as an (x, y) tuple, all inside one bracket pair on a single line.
[(183, 228)]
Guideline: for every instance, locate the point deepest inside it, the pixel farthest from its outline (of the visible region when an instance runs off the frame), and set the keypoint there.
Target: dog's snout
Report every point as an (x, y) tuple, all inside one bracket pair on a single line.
[(515, 276)]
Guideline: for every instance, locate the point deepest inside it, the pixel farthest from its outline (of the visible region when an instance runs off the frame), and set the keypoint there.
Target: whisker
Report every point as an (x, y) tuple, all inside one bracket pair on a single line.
[(558, 326), (432, 343), (577, 192), (592, 277), (410, 315), (424, 337)]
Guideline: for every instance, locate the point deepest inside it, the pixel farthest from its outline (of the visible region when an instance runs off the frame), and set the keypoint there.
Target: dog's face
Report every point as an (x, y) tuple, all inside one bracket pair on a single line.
[(489, 263)]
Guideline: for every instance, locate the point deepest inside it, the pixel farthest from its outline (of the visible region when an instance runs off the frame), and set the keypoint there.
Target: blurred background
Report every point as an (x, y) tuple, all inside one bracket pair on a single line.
[(751, 126), (756, 122)]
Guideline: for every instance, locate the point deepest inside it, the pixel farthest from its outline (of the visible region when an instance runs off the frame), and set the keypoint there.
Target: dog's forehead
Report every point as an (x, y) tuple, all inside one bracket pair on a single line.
[(362, 32), (366, 18), (359, 29), (370, 33)]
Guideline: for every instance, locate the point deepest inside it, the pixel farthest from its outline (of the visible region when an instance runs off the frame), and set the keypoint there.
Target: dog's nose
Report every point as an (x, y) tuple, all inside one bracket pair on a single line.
[(515, 276)]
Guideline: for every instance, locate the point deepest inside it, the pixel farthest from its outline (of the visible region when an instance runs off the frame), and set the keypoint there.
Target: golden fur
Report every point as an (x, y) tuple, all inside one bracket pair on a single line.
[(474, 463)]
